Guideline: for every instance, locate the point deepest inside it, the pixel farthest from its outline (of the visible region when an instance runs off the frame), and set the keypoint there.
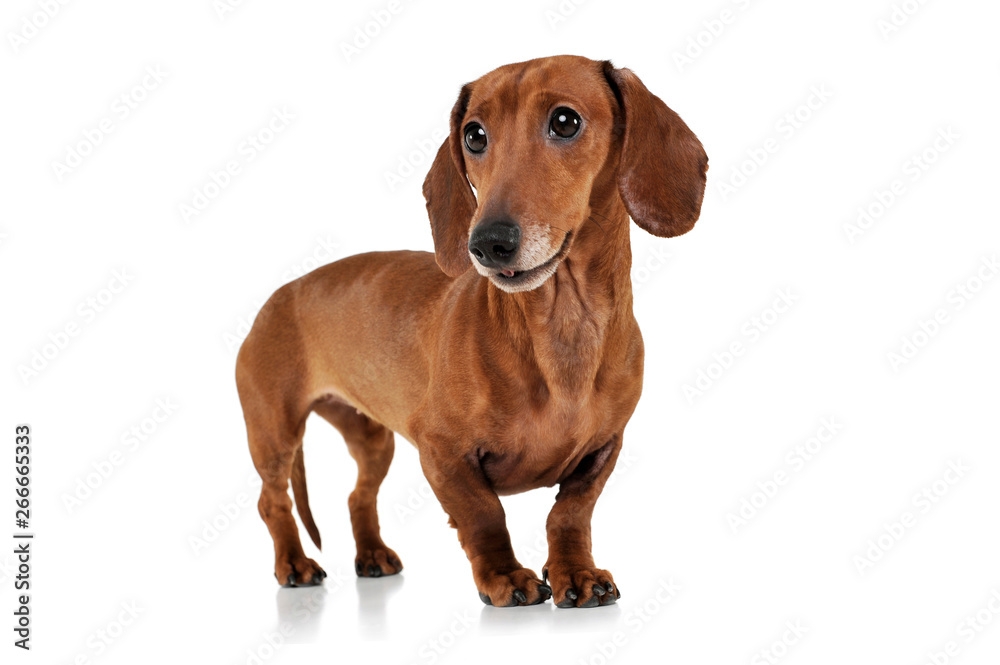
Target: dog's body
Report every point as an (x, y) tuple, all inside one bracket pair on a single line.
[(520, 374)]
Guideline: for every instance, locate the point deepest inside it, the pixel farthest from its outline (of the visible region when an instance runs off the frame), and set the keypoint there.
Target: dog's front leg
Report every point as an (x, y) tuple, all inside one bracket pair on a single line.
[(570, 569), (474, 509)]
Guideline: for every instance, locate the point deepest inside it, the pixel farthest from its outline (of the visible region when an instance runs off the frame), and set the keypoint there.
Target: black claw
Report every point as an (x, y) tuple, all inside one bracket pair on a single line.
[(359, 568), (571, 594), (371, 570), (317, 578), (519, 596), (599, 590), (545, 591), (593, 601), (486, 599), (542, 597), (609, 586), (323, 573), (618, 593), (545, 574), (291, 580), (565, 603)]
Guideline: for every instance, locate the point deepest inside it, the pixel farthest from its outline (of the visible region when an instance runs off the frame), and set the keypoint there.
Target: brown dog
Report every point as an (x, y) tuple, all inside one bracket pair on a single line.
[(519, 374)]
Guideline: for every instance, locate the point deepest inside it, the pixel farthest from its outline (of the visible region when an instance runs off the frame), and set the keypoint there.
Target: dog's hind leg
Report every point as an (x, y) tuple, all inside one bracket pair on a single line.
[(269, 380), (277, 456), (371, 445)]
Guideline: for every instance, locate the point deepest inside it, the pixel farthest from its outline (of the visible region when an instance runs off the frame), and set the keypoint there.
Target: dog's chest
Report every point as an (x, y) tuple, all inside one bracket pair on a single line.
[(540, 448)]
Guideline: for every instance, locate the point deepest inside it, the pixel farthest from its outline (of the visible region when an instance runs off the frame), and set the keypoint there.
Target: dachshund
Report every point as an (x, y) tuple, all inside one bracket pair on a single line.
[(510, 357)]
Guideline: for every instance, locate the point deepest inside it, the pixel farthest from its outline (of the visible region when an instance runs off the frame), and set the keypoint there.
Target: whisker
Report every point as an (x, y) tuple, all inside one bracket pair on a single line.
[(591, 219)]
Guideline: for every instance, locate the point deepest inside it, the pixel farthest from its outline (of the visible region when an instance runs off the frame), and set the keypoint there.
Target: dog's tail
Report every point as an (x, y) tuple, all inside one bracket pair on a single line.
[(302, 497)]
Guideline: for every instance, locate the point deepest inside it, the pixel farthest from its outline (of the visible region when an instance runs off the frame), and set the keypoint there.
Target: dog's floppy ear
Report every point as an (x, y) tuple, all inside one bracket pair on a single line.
[(661, 172), (450, 201)]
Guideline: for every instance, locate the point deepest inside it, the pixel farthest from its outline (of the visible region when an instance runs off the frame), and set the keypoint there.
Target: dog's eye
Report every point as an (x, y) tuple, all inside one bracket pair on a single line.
[(565, 123), (475, 137)]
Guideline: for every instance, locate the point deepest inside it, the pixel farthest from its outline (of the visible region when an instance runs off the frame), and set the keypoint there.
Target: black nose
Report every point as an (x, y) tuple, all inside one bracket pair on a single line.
[(494, 244)]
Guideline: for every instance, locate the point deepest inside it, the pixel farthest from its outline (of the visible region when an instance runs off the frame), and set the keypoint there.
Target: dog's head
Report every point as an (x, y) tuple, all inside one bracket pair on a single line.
[(533, 138)]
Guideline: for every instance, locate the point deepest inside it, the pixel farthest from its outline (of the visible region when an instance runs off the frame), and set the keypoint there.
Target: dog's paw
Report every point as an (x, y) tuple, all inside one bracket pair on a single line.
[(377, 562), (581, 587), (517, 587), (298, 572)]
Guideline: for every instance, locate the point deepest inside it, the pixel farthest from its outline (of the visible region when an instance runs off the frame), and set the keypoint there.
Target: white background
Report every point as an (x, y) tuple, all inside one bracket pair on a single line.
[(688, 463)]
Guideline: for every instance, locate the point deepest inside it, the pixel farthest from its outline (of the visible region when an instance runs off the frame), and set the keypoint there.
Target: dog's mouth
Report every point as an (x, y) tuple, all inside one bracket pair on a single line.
[(524, 280)]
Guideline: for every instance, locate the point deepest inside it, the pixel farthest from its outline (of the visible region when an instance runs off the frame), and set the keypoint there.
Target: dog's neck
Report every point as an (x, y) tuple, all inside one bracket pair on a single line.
[(569, 324)]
